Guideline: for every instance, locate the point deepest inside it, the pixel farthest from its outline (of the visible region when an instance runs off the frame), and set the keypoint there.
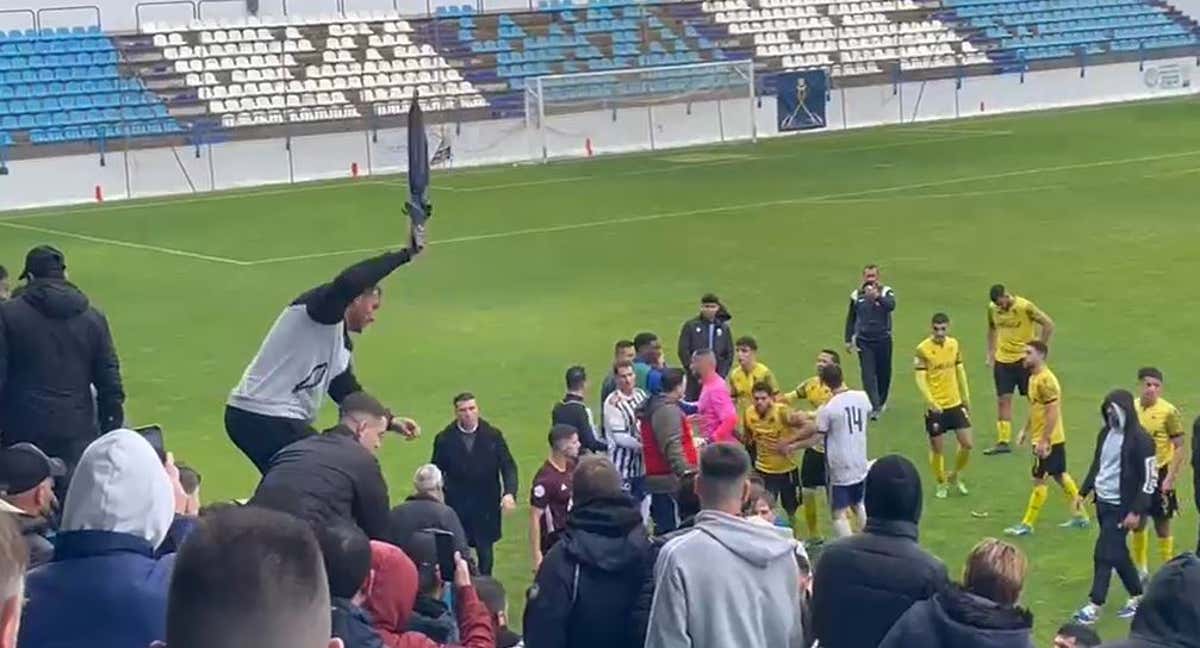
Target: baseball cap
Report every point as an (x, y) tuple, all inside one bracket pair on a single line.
[(23, 466), (363, 403), (44, 261)]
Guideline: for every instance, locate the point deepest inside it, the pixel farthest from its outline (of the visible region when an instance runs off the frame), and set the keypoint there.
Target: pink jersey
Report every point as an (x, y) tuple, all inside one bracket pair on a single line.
[(718, 416)]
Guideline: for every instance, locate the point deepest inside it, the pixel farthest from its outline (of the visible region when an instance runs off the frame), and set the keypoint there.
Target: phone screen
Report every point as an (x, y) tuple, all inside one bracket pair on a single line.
[(154, 434), (445, 553)]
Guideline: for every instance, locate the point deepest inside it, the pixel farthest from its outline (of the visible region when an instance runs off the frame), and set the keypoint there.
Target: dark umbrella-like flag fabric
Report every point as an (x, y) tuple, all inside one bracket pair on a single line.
[(418, 208)]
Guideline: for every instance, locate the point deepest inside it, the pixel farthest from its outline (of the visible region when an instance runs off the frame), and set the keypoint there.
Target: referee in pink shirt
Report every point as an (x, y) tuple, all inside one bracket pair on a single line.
[(718, 416)]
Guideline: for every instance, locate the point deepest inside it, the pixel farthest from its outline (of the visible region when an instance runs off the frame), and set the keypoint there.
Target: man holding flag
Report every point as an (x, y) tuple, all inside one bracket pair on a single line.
[(307, 352)]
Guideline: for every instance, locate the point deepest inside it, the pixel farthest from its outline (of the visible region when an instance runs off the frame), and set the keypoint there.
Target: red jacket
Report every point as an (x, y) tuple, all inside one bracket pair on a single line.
[(658, 448), (393, 592)]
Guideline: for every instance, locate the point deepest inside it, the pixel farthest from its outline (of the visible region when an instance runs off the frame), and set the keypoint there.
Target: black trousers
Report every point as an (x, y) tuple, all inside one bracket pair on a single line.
[(1111, 555), (259, 437), (875, 361), (487, 557)]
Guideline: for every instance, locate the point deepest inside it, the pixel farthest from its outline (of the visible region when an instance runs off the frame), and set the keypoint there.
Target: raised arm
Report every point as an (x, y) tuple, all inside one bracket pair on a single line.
[(327, 303), (888, 299)]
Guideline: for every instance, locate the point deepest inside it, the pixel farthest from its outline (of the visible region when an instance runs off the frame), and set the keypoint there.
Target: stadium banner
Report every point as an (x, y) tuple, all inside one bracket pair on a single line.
[(801, 99)]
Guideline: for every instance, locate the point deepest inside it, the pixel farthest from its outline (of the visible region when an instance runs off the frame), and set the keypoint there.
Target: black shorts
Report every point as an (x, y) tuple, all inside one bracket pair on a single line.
[(952, 419), (1054, 464), (1163, 504), (785, 487), (812, 469), (1010, 377)]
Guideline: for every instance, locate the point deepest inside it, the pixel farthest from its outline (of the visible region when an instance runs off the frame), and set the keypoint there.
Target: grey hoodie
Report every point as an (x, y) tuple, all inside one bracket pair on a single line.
[(120, 486), (730, 583)]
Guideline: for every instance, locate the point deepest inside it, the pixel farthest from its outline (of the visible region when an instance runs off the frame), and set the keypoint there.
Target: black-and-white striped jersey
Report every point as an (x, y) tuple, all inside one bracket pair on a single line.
[(621, 432), (307, 352)]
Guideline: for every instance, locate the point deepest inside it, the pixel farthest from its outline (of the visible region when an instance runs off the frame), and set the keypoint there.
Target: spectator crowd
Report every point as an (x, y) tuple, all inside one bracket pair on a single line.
[(654, 524)]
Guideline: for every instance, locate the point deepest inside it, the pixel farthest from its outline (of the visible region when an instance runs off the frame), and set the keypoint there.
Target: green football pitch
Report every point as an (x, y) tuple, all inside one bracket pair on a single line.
[(1091, 213)]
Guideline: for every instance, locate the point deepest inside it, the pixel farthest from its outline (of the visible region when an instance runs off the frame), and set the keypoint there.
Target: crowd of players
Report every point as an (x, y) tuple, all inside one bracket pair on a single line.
[(653, 525)]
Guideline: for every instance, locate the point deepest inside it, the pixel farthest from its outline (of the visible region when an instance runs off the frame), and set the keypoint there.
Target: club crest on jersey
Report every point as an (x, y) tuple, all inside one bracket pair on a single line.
[(313, 379)]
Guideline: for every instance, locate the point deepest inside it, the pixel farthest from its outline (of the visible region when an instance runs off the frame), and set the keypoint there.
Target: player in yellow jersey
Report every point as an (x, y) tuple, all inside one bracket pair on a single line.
[(771, 427), (1013, 322), (742, 378), (812, 465), (1045, 429), (942, 381), (1161, 421)]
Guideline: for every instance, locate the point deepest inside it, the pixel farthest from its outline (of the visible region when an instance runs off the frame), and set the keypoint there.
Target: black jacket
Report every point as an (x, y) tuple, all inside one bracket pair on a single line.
[(864, 583), (1196, 463), (1138, 472), (584, 592), (327, 477), (1169, 614), (956, 618), (870, 320), (54, 347), (434, 619), (573, 411), (353, 625), (423, 512), (476, 479), (693, 336)]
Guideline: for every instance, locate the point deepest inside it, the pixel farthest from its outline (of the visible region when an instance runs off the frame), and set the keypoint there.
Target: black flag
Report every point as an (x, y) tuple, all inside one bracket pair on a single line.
[(418, 208)]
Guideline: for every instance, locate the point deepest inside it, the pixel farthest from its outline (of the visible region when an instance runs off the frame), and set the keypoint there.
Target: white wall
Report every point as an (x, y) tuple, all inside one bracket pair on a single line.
[(73, 179)]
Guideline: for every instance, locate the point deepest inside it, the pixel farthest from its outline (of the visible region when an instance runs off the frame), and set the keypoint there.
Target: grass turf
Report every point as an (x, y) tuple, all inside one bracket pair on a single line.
[(1090, 213)]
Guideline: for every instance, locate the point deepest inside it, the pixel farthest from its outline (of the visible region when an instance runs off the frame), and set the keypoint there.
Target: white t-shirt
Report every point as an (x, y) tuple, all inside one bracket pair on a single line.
[(843, 422)]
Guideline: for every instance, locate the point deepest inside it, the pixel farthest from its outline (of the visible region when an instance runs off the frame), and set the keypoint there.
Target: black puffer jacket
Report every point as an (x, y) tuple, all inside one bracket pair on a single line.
[(325, 478), (864, 583), (586, 588), (956, 618), (54, 347), (1169, 615)]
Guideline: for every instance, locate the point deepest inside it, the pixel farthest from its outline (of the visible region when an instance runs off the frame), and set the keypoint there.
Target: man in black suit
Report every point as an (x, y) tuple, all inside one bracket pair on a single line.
[(480, 476)]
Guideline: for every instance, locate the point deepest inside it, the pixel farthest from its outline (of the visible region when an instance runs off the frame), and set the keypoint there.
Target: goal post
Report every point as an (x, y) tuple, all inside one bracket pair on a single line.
[(640, 109)]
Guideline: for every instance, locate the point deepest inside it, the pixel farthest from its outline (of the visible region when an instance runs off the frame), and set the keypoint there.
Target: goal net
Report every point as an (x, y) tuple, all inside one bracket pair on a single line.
[(639, 109)]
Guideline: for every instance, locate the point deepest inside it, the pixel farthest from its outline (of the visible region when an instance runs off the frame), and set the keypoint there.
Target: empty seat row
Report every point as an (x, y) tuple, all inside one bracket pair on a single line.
[(27, 48), (278, 117), (105, 131), (75, 117), (236, 49), (270, 61), (75, 102), (236, 90), (376, 67), (49, 33), (46, 75), (793, 24), (57, 60), (806, 61), (57, 88)]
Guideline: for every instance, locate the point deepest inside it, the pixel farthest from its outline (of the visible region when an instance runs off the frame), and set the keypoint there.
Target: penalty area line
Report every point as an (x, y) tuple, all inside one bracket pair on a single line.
[(816, 200), (125, 244)]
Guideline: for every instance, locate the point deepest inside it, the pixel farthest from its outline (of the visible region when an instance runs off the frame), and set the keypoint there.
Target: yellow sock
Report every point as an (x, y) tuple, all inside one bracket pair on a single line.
[(1072, 491), (1139, 549), (1166, 548), (1036, 499), (1003, 431), (810, 513), (961, 459), (937, 462)]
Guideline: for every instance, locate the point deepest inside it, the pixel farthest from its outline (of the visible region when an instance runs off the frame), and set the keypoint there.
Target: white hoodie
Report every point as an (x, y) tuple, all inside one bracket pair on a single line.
[(120, 486), (730, 583)]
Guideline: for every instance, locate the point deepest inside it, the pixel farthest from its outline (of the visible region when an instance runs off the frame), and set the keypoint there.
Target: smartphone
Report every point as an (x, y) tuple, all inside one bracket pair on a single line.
[(154, 434), (445, 554)]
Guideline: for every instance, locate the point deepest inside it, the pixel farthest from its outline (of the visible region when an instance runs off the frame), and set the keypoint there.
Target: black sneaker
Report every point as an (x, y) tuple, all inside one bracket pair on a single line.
[(999, 448)]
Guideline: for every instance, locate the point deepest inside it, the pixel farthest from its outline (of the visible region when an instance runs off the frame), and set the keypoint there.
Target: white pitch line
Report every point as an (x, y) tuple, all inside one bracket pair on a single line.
[(939, 196), (817, 200), (125, 244), (678, 167), (1172, 174), (959, 131)]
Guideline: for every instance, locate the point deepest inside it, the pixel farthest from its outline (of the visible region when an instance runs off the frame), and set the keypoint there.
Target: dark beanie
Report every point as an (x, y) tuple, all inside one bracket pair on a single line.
[(894, 490)]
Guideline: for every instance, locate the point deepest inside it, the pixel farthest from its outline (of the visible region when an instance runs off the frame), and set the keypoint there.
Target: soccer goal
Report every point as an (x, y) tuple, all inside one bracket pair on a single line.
[(640, 109)]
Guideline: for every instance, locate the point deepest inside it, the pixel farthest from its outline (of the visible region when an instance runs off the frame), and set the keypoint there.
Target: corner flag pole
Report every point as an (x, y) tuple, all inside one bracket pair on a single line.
[(417, 206)]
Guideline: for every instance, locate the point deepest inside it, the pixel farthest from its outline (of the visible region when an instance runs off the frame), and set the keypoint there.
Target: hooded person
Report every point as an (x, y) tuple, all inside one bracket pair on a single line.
[(1121, 480), (54, 348), (863, 583), (981, 613), (393, 591), (1169, 614), (104, 586), (704, 579), (585, 591)]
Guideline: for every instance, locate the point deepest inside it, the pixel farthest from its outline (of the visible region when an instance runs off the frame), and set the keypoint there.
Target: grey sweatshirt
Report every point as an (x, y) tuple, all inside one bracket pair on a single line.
[(730, 583)]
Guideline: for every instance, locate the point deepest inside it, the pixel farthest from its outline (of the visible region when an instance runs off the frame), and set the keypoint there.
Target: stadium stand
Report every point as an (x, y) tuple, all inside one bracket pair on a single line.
[(64, 85)]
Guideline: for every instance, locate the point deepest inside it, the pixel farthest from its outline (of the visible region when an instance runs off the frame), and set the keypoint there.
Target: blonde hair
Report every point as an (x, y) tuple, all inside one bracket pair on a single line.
[(995, 570)]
